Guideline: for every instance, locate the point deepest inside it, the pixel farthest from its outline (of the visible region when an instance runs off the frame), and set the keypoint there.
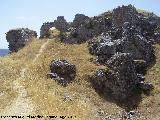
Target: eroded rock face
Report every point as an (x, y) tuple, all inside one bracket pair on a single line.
[(127, 51), (17, 38), (62, 71), (132, 41), (80, 30), (79, 20), (84, 28), (123, 78), (61, 24), (124, 14), (120, 79)]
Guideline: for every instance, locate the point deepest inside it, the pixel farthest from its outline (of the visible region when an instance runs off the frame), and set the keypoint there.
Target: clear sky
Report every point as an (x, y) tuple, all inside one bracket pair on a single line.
[(32, 13)]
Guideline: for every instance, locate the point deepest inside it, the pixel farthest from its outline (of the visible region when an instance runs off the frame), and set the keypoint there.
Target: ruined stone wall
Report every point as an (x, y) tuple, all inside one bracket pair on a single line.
[(124, 14), (60, 24), (45, 29), (17, 38)]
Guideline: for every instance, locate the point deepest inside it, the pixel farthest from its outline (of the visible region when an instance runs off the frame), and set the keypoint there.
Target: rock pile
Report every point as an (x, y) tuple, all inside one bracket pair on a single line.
[(62, 71), (18, 38), (127, 52)]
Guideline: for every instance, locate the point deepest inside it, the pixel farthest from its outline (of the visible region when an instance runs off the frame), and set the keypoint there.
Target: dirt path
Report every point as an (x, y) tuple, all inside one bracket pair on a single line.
[(22, 105)]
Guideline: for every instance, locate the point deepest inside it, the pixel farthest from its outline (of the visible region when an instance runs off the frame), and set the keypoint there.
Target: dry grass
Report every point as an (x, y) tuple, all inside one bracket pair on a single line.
[(49, 96), (82, 101), (10, 67), (150, 105)]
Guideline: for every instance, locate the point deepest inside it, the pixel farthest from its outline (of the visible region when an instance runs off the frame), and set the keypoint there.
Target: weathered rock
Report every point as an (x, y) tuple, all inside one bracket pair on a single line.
[(145, 86), (124, 14), (60, 24), (140, 66), (84, 28), (44, 31), (139, 47), (124, 78), (120, 79), (131, 115), (62, 71), (147, 28), (79, 20), (18, 38), (156, 38)]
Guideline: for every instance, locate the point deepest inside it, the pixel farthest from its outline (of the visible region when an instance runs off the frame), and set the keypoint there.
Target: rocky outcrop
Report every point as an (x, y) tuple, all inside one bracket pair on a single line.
[(60, 24), (62, 71), (44, 31), (83, 28), (121, 78), (79, 20), (17, 38), (124, 14), (80, 30), (127, 51)]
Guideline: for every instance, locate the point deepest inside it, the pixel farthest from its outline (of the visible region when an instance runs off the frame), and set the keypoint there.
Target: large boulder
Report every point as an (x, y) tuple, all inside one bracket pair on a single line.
[(62, 71), (18, 38)]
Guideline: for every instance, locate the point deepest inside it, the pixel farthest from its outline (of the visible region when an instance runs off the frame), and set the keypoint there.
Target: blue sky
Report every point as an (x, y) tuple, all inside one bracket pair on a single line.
[(32, 13)]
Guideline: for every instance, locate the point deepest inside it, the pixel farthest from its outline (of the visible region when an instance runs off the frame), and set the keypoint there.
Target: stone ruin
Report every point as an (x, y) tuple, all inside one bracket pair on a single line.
[(124, 14), (80, 30), (60, 24), (44, 31), (126, 54), (122, 40), (17, 38)]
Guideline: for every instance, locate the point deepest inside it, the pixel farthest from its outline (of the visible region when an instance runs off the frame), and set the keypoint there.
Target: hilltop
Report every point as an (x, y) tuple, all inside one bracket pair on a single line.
[(25, 87)]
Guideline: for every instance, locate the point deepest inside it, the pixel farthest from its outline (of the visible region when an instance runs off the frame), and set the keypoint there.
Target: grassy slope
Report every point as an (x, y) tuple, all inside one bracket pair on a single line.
[(48, 96)]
